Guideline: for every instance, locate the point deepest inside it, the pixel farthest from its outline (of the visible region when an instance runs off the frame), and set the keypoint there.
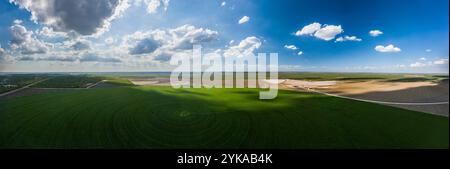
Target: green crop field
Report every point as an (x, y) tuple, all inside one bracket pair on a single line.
[(163, 117), (11, 82)]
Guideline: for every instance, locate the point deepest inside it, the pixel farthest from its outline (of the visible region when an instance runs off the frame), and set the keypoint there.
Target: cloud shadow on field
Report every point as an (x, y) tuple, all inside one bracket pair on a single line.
[(162, 117)]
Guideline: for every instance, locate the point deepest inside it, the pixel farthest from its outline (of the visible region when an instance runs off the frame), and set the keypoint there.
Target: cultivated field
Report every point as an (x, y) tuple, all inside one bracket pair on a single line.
[(11, 82), (80, 81), (121, 115)]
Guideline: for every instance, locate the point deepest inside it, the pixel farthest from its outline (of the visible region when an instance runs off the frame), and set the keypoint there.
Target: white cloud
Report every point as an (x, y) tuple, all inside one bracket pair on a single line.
[(4, 57), (49, 33), (244, 19), (18, 22), (231, 42), (2, 54), (441, 62), (85, 17), (401, 66), (245, 48), (110, 40), (92, 57), (291, 47), (153, 5), (388, 48), (223, 3), (145, 46), (309, 29), (153, 46), (186, 35), (81, 45), (2, 51), (375, 33), (423, 59), (417, 65), (428, 50), (348, 38), (422, 64), (23, 40), (161, 45), (300, 53), (328, 32)]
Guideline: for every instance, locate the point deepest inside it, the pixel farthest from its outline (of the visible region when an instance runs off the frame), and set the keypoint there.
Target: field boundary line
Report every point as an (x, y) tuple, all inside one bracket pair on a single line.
[(22, 88), (95, 84)]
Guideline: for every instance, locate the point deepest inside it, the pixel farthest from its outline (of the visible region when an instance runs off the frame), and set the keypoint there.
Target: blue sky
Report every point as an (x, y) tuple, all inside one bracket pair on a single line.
[(414, 34)]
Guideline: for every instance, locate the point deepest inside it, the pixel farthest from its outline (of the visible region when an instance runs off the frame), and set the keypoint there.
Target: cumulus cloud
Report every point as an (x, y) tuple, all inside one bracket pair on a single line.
[(144, 46), (153, 5), (109, 40), (309, 29), (423, 59), (223, 3), (328, 32), (90, 57), (2, 54), (300, 53), (348, 38), (325, 32), (185, 36), (57, 58), (81, 45), (422, 63), (428, 50), (244, 19), (80, 57), (23, 40), (2, 51), (164, 56), (388, 48), (85, 17), (441, 62), (49, 33), (375, 33), (26, 58), (417, 65), (245, 48), (162, 44), (291, 47)]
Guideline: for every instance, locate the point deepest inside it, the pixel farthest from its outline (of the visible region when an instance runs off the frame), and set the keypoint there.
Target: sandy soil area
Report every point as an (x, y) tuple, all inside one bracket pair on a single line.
[(352, 88), (378, 90), (150, 81), (288, 83)]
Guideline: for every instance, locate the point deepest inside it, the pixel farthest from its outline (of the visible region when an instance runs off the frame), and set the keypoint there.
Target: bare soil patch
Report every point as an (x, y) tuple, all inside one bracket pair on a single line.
[(385, 91)]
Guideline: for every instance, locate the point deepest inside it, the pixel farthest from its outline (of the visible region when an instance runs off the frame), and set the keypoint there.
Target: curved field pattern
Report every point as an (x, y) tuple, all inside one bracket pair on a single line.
[(162, 117)]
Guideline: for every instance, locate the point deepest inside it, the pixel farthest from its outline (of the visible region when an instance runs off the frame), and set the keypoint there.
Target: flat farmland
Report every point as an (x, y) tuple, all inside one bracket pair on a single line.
[(163, 117), (74, 81), (11, 82)]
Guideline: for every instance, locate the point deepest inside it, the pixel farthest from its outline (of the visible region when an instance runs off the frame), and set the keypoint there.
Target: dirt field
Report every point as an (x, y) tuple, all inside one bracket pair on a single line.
[(385, 91), (150, 81)]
